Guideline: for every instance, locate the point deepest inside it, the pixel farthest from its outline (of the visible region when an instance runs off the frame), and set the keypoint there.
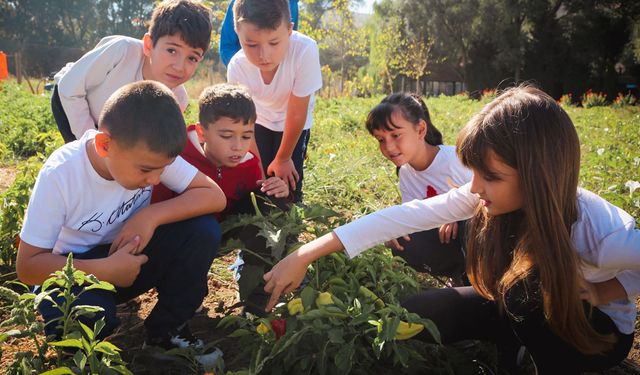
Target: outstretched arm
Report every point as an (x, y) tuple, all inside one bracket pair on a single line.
[(287, 275)]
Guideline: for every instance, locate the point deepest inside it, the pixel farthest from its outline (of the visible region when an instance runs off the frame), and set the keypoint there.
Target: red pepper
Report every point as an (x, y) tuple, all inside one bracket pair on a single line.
[(279, 327)]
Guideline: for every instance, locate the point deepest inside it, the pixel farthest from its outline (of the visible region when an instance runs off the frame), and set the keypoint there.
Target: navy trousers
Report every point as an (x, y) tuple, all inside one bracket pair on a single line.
[(269, 141), (180, 256)]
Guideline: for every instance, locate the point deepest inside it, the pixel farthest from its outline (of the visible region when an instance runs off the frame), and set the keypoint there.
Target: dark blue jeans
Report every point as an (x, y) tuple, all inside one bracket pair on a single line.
[(269, 141), (180, 255)]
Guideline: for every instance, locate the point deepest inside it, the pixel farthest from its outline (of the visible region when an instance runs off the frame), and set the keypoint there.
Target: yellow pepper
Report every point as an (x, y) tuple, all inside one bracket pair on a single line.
[(295, 306), (408, 330), (262, 329), (324, 298), (368, 294)]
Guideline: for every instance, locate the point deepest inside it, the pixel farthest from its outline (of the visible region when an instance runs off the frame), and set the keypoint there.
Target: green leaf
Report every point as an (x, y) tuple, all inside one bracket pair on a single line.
[(58, 371), (308, 296), (12, 333), (68, 343), (336, 336), (240, 332), (86, 309), (433, 329), (27, 296), (80, 359), (101, 285), (87, 331), (343, 359), (106, 348), (229, 320)]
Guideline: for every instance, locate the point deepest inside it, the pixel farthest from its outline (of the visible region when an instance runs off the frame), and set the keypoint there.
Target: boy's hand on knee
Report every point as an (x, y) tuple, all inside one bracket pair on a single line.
[(124, 265), (141, 225), (286, 170), (274, 186)]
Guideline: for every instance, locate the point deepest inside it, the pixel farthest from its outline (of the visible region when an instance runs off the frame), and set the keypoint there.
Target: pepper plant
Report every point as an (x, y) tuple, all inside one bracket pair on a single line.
[(79, 351)]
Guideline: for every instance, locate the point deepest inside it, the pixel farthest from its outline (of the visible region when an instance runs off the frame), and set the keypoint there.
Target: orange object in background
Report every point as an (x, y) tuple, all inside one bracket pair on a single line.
[(4, 71)]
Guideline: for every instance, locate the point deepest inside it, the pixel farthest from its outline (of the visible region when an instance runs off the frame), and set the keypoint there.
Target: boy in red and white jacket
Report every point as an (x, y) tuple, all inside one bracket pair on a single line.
[(218, 145)]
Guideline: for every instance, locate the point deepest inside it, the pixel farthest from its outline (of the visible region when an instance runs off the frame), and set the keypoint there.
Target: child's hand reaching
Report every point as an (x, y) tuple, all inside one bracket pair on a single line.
[(284, 277), (288, 273), (448, 232), (274, 186)]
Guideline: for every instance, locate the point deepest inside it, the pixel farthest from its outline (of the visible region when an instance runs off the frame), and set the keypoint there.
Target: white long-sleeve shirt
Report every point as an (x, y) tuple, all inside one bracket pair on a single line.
[(603, 235), (85, 85)]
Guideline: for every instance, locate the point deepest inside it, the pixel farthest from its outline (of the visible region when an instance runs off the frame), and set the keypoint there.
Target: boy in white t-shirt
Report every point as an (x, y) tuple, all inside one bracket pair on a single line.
[(178, 37), (281, 69), (91, 199)]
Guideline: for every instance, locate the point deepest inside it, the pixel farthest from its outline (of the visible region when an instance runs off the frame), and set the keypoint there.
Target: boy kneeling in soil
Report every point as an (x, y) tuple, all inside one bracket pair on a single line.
[(218, 145), (91, 199)]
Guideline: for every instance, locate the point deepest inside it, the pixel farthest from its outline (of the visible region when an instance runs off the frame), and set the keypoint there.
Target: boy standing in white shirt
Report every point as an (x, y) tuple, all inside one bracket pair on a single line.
[(178, 37), (281, 69), (91, 199)]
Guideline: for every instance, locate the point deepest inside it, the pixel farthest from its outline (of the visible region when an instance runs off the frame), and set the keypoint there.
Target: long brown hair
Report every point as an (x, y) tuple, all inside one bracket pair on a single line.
[(530, 132)]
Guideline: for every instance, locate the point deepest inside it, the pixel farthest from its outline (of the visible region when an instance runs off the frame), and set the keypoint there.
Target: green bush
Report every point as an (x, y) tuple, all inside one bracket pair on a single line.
[(593, 99), (27, 126), (14, 205), (623, 100)]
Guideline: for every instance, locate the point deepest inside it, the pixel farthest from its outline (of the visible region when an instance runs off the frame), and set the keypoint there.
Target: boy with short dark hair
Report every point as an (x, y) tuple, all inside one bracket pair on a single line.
[(178, 37), (218, 145), (281, 69), (229, 43), (91, 198)]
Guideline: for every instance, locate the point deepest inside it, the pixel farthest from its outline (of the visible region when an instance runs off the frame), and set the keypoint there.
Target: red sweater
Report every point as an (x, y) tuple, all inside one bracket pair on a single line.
[(235, 182)]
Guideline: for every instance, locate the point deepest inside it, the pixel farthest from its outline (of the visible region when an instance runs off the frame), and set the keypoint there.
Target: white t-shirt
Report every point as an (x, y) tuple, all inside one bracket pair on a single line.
[(603, 235), (73, 209), (298, 74), (445, 169), (85, 85)]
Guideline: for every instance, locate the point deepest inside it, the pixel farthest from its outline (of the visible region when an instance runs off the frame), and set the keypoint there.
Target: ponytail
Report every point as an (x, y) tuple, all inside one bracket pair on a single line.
[(413, 109)]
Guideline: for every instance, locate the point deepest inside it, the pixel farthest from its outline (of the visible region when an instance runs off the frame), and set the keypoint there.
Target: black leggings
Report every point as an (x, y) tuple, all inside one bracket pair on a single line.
[(61, 117), (461, 314), (425, 253)]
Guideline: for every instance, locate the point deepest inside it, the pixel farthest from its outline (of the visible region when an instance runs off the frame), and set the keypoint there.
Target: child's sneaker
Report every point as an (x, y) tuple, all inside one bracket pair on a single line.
[(182, 338)]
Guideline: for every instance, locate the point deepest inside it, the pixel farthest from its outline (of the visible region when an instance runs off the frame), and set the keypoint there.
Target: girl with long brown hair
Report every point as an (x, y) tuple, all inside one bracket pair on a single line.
[(553, 267)]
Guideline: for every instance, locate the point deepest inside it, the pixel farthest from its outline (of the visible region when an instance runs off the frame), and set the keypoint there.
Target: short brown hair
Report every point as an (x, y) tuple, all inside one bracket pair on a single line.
[(147, 112), (189, 18), (265, 14), (226, 100)]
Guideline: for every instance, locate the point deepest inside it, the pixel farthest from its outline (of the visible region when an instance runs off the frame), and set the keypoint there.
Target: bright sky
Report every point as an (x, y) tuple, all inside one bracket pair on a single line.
[(367, 7)]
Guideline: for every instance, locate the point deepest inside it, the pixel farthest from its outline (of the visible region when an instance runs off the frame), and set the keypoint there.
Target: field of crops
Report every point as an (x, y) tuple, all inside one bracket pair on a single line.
[(332, 326)]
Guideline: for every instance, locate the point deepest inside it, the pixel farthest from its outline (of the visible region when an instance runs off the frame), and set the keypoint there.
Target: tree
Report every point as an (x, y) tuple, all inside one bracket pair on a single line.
[(340, 35), (386, 44)]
